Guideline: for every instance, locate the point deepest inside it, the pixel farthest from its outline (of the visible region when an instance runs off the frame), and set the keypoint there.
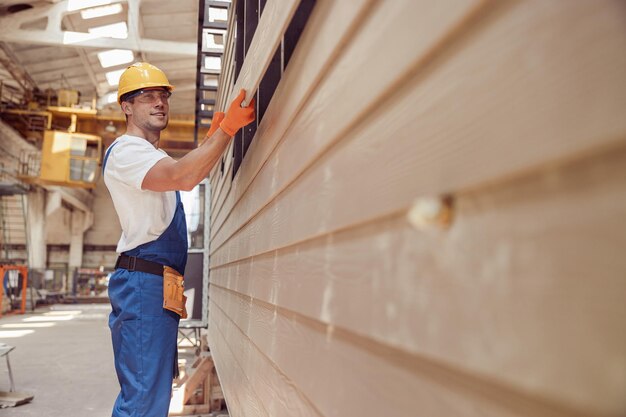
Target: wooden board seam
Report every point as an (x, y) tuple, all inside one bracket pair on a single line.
[(350, 33), (455, 34), (269, 360), (472, 383)]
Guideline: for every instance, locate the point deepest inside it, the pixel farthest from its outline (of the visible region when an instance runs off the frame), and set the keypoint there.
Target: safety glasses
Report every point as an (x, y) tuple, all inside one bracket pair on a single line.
[(150, 96)]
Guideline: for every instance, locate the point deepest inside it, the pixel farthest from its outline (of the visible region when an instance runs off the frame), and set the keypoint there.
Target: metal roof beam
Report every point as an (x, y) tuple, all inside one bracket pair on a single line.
[(13, 66), (10, 31)]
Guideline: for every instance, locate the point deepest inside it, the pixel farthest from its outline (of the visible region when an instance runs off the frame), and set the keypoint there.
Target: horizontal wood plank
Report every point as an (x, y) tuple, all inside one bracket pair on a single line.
[(347, 92), (224, 177), (329, 27), (236, 385), (344, 375), (267, 37), (448, 132), (280, 397), (526, 287)]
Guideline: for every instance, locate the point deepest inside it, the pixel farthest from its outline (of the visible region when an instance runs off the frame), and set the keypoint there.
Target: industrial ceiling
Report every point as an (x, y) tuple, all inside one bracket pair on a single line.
[(56, 44)]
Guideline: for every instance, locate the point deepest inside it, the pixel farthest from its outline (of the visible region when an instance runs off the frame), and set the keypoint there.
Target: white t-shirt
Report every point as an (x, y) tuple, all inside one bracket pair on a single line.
[(144, 215)]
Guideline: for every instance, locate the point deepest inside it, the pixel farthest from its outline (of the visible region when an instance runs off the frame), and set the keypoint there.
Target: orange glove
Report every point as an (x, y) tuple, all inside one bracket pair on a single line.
[(215, 124), (237, 116)]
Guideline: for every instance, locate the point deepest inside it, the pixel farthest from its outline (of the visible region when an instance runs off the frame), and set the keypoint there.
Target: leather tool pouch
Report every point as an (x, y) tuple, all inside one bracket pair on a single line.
[(173, 289)]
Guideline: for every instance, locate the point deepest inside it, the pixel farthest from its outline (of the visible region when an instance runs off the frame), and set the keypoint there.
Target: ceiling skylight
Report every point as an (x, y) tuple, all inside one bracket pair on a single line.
[(113, 77), (111, 98), (115, 57), (85, 4), (116, 30), (101, 11)]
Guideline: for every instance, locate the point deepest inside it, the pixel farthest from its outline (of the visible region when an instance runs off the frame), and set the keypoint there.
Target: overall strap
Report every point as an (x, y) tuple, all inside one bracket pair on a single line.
[(106, 157)]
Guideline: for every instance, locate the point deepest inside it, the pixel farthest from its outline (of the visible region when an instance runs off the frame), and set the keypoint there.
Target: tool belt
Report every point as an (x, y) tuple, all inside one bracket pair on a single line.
[(173, 283), (174, 298)]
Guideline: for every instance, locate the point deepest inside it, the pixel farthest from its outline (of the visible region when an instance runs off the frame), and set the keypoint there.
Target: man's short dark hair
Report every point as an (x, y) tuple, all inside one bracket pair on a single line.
[(128, 96)]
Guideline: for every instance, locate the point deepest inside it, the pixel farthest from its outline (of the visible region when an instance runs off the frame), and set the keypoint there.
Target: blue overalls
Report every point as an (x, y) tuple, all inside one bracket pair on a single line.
[(143, 332)]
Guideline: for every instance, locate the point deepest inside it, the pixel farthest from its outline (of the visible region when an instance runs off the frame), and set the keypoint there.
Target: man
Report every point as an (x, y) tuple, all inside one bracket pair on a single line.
[(144, 182)]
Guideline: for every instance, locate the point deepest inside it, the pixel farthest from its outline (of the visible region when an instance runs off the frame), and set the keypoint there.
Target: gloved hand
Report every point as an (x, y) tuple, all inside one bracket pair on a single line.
[(215, 124), (237, 116)]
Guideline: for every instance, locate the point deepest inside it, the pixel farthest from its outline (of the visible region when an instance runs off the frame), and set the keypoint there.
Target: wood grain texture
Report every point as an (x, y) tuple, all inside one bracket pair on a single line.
[(330, 25), (224, 186), (237, 387), (270, 30), (319, 282), (338, 371), (223, 177), (281, 397), (525, 288), (460, 144), (348, 91)]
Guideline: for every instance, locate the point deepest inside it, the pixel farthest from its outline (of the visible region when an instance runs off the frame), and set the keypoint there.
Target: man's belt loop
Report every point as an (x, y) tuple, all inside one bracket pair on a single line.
[(132, 262)]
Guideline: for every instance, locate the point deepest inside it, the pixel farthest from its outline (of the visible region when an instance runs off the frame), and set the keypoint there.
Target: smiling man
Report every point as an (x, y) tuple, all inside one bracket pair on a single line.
[(146, 289)]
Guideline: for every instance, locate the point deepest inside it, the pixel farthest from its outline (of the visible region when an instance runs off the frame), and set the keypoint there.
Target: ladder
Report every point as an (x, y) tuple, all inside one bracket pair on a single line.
[(13, 228)]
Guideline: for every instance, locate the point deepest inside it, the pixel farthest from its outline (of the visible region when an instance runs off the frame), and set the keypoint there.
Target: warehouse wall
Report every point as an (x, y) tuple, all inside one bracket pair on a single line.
[(329, 298), (101, 238), (106, 229)]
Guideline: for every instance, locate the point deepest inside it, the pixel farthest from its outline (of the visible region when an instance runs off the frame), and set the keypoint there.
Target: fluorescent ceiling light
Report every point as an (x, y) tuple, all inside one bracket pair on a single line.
[(113, 77), (85, 4), (116, 30), (101, 11), (77, 37), (115, 57)]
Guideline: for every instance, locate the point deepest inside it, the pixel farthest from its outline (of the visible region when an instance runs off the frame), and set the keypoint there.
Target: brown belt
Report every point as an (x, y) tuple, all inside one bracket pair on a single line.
[(132, 263)]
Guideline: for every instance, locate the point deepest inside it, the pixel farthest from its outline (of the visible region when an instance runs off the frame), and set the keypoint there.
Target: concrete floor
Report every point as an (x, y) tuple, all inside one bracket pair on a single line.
[(64, 357)]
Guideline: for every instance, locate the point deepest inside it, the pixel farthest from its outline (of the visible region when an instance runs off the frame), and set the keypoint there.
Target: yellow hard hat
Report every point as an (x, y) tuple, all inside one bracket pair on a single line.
[(141, 75)]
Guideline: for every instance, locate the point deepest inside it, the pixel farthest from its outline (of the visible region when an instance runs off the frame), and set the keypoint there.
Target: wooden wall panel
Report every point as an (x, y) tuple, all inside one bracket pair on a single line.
[(329, 27), (281, 397), (226, 76), (224, 182), (355, 84), (461, 145), (272, 25), (344, 375), (236, 385), (325, 297), (525, 288)]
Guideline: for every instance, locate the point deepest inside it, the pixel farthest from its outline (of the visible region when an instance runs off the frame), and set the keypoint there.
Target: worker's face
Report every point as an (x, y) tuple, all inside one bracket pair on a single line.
[(149, 109)]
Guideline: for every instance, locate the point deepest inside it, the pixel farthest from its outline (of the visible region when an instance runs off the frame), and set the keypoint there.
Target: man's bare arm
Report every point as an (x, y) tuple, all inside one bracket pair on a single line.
[(184, 174)]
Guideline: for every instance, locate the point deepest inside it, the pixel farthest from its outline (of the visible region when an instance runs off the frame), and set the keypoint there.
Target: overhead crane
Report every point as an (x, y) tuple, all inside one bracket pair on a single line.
[(73, 138)]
